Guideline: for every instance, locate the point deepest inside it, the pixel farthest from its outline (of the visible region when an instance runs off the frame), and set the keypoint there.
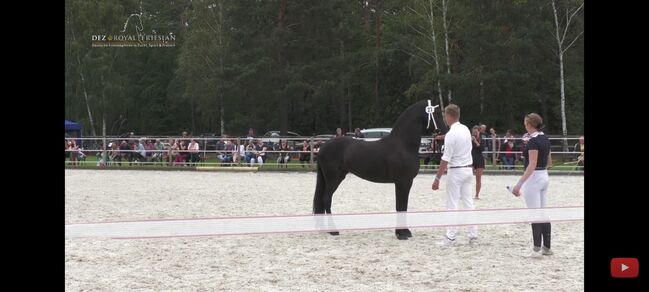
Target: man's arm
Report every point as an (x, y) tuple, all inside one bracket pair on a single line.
[(442, 169)]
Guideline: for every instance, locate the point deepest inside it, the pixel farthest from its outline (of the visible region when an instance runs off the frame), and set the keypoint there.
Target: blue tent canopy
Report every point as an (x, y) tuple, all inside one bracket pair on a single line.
[(72, 126), (72, 129)]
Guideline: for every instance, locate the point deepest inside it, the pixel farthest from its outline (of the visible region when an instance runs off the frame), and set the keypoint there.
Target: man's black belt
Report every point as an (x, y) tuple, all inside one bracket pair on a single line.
[(540, 168), (470, 165)]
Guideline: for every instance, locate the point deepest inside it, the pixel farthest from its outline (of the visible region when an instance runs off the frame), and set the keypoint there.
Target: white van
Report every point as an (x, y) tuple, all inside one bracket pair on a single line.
[(375, 134)]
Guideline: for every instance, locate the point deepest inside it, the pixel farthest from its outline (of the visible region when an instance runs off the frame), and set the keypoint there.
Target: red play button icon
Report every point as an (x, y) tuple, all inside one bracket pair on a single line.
[(624, 267)]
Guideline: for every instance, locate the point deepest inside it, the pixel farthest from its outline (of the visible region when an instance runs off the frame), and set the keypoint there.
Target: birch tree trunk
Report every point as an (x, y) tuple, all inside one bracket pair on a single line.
[(560, 38), (448, 53), (431, 20)]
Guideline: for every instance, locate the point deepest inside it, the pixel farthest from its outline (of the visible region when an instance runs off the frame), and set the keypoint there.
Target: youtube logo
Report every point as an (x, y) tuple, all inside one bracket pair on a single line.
[(624, 267)]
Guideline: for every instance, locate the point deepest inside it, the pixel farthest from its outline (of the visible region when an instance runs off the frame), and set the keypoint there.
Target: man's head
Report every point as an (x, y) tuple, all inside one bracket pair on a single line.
[(451, 114), (483, 128)]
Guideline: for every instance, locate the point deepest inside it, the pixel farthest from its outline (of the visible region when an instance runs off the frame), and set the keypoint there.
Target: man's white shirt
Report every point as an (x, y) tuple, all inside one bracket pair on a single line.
[(457, 146)]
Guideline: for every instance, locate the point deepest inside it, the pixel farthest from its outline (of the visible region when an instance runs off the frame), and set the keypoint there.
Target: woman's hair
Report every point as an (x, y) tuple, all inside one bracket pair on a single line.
[(534, 120)]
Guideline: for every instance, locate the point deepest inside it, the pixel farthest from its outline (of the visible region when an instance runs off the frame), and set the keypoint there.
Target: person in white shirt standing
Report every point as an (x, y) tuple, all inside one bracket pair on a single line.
[(193, 149), (457, 158)]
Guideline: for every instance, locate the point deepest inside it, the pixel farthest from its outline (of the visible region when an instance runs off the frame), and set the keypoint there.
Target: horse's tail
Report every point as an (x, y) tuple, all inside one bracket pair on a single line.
[(318, 200)]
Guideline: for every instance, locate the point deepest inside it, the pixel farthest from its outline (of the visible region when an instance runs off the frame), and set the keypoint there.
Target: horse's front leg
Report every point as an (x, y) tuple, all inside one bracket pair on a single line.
[(402, 191)]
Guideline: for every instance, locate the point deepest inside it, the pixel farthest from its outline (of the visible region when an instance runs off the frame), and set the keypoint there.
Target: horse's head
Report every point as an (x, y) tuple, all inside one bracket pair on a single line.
[(433, 119), (422, 118)]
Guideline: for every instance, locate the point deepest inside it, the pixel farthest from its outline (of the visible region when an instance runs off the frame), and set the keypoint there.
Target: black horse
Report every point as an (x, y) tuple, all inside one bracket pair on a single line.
[(392, 159)]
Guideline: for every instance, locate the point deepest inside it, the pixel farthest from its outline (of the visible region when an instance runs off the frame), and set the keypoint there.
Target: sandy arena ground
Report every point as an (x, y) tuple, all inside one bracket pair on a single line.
[(353, 261)]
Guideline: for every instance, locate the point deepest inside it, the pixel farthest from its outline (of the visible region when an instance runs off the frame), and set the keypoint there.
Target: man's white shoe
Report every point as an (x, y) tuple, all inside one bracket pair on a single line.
[(446, 242), (534, 254), (546, 251)]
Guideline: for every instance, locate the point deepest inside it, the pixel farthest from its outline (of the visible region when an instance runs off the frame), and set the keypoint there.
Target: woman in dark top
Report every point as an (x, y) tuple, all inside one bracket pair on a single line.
[(534, 182), (478, 160)]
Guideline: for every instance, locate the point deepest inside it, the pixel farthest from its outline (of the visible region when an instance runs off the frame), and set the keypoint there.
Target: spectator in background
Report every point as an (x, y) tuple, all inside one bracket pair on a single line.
[(259, 154), (148, 146), (158, 149), (100, 156), (140, 153), (242, 152), (173, 151), (358, 134), (220, 144), (236, 158), (339, 133), (249, 152), (226, 156), (114, 153), (67, 153), (305, 156), (436, 154), (484, 142), (579, 147), (74, 151), (507, 155), (478, 159), (251, 134), (124, 152), (494, 137), (526, 137), (284, 154), (193, 149)]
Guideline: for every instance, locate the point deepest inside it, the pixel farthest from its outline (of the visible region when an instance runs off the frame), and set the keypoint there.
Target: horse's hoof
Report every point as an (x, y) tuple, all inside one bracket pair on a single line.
[(403, 232), (334, 233), (402, 237)]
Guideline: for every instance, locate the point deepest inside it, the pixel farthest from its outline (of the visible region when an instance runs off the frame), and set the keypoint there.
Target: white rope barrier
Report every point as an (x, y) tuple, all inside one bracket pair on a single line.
[(317, 223)]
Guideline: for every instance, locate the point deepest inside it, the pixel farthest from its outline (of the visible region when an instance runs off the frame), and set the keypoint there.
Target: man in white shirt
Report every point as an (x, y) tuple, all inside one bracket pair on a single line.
[(457, 158), (193, 149)]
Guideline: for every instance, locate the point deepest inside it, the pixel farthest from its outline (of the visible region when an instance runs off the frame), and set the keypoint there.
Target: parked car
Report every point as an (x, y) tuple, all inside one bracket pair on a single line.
[(376, 134), (274, 137)]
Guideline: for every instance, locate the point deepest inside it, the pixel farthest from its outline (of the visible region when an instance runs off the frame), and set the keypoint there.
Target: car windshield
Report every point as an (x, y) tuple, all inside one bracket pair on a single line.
[(373, 134)]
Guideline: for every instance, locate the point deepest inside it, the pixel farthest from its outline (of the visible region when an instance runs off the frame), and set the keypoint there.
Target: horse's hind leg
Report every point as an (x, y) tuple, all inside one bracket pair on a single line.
[(402, 192), (330, 188), (332, 185)]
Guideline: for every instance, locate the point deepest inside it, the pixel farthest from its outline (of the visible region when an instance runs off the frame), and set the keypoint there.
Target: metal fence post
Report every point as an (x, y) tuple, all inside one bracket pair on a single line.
[(311, 148), (493, 151)]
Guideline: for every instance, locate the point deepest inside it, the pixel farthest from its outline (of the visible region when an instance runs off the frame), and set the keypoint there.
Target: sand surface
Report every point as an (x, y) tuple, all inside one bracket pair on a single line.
[(353, 261)]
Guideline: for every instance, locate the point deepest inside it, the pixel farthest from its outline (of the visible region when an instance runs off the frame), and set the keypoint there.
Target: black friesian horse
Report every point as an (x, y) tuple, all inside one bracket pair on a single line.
[(393, 159)]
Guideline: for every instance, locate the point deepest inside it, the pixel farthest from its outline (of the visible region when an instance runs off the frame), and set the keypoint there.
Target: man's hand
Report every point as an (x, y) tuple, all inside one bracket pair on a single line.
[(517, 191), (436, 185)]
